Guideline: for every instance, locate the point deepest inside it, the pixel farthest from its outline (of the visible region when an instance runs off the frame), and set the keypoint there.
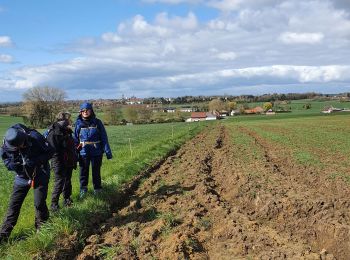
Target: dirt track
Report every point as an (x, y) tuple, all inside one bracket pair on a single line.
[(208, 201)]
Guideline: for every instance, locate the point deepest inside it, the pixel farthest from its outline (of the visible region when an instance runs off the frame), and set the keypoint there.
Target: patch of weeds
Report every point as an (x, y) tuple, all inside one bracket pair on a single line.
[(149, 201), (345, 177), (142, 181), (253, 175), (205, 223), (170, 221), (135, 244), (134, 228), (187, 193), (333, 176), (110, 252), (176, 162), (193, 245), (253, 194), (270, 181), (165, 231), (160, 184), (307, 159), (151, 214)]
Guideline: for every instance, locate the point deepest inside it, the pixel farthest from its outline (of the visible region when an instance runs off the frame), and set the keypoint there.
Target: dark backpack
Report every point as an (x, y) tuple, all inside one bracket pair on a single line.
[(33, 133), (69, 154)]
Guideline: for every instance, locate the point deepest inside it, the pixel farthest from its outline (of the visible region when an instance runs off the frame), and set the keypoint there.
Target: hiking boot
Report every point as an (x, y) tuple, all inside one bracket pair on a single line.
[(55, 207), (3, 239), (97, 191), (82, 194), (68, 202)]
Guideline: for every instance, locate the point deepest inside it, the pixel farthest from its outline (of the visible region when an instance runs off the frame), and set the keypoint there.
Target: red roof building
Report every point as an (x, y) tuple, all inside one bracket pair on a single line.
[(198, 115)]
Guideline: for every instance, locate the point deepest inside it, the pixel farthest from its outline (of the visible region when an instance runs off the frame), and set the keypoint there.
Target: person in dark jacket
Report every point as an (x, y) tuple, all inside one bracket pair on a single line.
[(26, 152), (64, 160), (91, 141)]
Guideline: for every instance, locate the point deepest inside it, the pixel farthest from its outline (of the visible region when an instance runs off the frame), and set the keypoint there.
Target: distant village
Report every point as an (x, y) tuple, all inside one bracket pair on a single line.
[(128, 110)]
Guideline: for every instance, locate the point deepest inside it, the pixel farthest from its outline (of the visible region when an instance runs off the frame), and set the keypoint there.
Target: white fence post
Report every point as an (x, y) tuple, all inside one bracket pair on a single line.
[(130, 148)]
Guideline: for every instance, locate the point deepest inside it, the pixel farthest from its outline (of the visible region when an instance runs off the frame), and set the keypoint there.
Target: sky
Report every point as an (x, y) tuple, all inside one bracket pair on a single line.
[(152, 48)]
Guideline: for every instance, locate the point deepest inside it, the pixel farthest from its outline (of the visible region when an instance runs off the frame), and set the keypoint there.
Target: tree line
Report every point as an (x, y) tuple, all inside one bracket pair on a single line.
[(41, 104), (241, 98)]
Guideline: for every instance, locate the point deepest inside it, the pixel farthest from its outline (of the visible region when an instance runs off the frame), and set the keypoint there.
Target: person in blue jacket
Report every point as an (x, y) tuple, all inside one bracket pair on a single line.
[(91, 141), (26, 152)]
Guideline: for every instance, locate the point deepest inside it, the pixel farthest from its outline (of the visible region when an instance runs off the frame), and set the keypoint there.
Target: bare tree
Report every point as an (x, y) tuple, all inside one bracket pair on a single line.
[(267, 106), (112, 115), (217, 105), (131, 114), (41, 104), (144, 113), (232, 105)]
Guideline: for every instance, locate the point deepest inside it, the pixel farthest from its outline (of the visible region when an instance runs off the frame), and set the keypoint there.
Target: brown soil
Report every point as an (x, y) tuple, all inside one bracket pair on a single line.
[(208, 202)]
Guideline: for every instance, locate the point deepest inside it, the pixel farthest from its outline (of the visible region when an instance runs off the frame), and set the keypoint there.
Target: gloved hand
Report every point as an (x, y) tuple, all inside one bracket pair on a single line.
[(109, 156), (79, 147), (29, 162), (14, 166)]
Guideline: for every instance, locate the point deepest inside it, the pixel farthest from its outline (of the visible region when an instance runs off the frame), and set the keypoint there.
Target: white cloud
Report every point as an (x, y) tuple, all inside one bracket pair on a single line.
[(227, 56), (163, 26), (302, 74), (187, 23), (226, 5), (296, 38), (141, 27), (5, 58), (111, 37), (79, 73), (5, 41), (233, 5)]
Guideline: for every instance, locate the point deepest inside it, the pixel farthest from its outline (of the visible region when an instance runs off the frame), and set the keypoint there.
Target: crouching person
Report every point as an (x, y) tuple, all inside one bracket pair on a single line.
[(26, 152), (64, 160)]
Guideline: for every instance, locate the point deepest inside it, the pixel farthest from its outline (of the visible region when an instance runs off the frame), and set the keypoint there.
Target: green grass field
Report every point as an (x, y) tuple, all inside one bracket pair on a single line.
[(320, 141), (316, 106)]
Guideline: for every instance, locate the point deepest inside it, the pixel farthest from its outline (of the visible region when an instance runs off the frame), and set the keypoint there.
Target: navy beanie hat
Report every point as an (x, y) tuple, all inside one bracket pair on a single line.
[(14, 138), (86, 105)]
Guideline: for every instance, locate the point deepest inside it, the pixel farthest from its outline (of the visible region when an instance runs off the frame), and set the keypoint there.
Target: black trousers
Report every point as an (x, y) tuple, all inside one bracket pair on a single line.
[(96, 162), (62, 185), (20, 191)]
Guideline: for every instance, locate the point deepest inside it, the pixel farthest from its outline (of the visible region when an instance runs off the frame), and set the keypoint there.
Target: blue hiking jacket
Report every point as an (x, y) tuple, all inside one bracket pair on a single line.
[(36, 154), (92, 136)]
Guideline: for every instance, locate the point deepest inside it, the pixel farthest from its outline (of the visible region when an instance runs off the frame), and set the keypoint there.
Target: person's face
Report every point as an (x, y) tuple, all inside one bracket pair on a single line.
[(86, 112), (21, 146), (69, 120)]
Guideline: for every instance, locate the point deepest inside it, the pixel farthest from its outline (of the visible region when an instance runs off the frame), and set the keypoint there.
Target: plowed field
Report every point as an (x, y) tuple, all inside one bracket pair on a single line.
[(229, 194)]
